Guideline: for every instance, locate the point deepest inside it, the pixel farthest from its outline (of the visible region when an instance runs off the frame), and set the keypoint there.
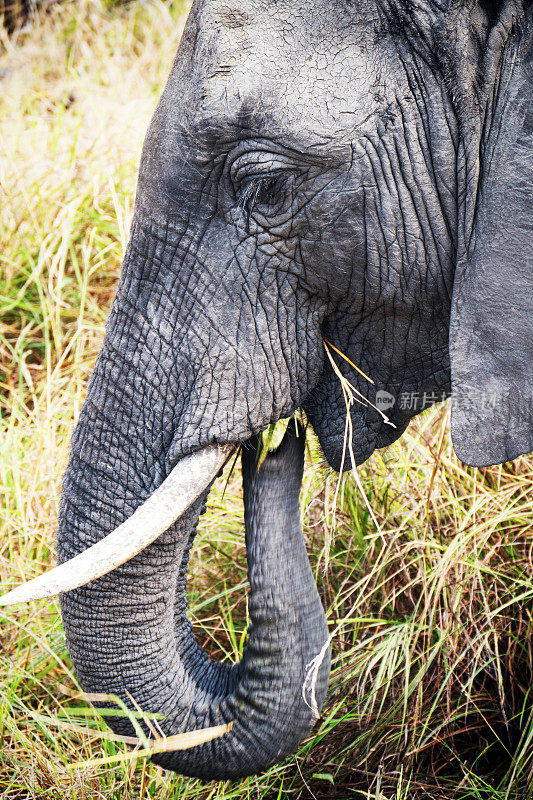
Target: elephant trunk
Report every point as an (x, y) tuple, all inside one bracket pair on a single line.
[(128, 633)]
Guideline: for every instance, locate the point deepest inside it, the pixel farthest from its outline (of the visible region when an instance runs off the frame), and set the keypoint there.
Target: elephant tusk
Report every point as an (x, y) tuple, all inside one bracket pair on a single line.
[(189, 478)]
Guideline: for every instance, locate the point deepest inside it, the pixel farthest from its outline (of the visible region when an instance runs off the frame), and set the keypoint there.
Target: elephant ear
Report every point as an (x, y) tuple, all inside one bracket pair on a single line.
[(491, 328)]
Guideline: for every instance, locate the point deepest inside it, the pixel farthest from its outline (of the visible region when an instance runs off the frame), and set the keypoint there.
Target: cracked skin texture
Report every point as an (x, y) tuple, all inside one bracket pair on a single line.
[(304, 175)]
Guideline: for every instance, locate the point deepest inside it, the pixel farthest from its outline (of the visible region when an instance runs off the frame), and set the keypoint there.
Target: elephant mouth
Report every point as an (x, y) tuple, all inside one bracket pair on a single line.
[(187, 481)]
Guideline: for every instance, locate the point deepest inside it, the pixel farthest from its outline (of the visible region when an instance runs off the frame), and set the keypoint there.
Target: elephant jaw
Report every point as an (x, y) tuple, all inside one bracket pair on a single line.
[(187, 481)]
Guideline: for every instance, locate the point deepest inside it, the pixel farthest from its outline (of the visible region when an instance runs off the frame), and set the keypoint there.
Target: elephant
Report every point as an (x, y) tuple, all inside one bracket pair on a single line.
[(355, 173)]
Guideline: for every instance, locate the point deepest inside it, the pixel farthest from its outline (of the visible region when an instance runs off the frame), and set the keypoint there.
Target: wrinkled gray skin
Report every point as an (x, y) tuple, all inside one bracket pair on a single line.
[(354, 170)]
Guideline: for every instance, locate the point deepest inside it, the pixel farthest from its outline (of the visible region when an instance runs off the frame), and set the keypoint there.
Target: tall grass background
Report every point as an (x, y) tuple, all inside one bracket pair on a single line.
[(430, 609)]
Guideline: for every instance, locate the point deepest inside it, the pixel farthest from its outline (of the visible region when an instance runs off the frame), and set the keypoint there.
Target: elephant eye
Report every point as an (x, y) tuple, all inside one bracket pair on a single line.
[(259, 190)]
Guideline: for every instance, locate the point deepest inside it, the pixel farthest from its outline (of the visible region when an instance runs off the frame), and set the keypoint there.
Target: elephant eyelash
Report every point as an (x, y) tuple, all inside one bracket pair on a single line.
[(258, 190)]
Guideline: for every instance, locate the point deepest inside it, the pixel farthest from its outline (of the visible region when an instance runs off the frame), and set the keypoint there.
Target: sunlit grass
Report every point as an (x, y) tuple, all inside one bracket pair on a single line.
[(430, 613)]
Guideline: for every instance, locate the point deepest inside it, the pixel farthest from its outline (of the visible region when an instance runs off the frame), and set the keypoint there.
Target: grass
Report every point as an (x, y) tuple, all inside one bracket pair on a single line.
[(430, 610)]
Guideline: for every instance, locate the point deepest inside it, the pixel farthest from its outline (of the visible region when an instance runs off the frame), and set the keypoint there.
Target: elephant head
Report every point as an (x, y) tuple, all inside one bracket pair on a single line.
[(354, 172)]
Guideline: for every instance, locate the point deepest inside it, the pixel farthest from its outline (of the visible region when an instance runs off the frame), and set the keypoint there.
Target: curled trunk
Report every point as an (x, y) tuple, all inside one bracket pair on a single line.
[(128, 633)]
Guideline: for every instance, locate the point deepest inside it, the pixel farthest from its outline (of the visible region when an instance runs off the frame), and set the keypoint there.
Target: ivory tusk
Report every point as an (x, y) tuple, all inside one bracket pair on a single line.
[(179, 490)]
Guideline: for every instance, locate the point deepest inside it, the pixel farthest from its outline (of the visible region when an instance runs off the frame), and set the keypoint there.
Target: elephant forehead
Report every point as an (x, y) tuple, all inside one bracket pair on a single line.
[(290, 68)]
